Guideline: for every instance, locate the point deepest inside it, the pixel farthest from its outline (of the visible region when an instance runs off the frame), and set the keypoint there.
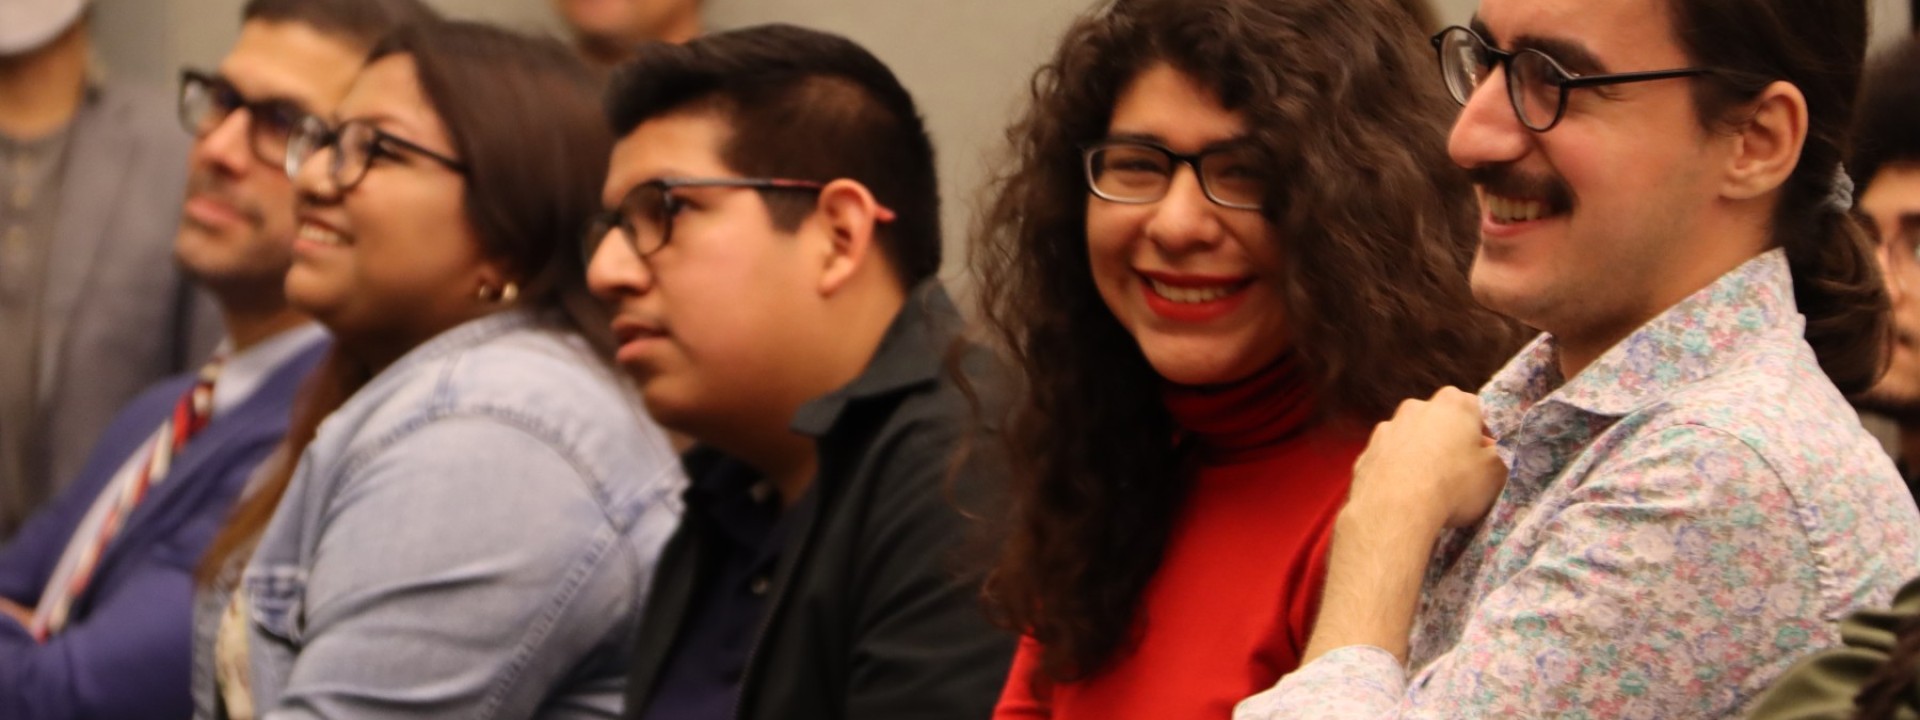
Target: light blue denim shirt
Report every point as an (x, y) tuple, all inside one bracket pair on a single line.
[(471, 535)]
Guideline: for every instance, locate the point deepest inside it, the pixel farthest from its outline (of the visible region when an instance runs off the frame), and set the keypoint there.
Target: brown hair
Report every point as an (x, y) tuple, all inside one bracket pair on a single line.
[(363, 22), (1377, 231), (523, 116), (1818, 46)]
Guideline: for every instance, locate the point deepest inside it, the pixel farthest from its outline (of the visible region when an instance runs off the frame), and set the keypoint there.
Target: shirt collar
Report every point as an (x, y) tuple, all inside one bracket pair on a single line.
[(244, 372), (1684, 344), (911, 353), (469, 334)]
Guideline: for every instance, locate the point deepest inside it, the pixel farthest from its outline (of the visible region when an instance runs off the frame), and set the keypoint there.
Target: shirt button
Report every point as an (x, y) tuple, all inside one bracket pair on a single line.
[(760, 491), (760, 585)]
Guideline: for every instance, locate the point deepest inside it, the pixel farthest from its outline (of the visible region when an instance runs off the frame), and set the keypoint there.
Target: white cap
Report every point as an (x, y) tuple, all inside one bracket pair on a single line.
[(27, 25)]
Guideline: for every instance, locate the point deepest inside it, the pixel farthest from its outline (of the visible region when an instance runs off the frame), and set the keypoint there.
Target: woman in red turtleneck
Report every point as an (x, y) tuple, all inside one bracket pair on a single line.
[(1215, 267), (1228, 611)]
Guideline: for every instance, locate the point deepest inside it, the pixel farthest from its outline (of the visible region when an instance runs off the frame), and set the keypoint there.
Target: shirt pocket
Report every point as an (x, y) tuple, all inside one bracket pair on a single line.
[(276, 596)]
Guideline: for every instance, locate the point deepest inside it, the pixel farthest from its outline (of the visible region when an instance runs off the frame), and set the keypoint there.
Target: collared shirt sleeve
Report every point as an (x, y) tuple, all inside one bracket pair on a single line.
[(1357, 681), (1623, 609)]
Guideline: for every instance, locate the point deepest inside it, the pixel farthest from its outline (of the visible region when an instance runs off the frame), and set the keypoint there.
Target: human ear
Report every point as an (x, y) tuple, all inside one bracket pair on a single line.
[(850, 217), (1766, 145)]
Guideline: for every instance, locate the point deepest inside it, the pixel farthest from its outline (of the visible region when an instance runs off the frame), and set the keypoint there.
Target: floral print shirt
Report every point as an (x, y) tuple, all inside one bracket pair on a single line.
[(1681, 522)]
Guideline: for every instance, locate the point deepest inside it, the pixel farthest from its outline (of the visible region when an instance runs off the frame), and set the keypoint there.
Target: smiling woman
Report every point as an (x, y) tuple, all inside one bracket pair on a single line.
[(1228, 241), (472, 420)]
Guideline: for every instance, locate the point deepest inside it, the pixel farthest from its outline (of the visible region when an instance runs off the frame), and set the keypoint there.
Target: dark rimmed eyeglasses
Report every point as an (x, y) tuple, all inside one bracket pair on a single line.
[(1137, 172), (1537, 85), (206, 100), (644, 216), (355, 145)]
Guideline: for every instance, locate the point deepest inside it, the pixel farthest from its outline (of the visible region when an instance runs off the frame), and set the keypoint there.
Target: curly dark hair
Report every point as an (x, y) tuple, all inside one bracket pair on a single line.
[(1377, 227)]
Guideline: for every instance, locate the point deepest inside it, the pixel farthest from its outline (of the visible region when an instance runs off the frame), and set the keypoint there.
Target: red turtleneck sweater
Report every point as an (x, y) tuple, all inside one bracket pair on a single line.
[(1232, 605)]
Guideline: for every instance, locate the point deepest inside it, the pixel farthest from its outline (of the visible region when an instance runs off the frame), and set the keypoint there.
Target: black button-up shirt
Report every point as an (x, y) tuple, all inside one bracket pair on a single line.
[(741, 513), (872, 611)]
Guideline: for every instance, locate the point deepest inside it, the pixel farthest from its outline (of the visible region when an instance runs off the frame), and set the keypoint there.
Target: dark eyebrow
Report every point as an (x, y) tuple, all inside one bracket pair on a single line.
[(1153, 139), (1479, 27), (1573, 56), (262, 98), (1909, 222)]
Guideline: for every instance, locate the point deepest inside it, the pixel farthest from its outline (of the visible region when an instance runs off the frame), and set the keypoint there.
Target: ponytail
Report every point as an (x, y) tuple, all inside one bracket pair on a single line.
[(1819, 47), (1838, 287)]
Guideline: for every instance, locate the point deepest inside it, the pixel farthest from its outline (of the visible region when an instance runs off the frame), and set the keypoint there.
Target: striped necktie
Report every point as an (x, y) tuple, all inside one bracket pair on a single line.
[(118, 500)]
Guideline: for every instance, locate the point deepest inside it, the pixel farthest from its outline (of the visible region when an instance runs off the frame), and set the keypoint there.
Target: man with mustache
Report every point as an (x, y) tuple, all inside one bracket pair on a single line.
[(90, 309), (1663, 501), (96, 591)]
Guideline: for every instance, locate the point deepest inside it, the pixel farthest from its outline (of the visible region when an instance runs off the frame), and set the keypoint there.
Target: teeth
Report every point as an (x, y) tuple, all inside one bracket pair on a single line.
[(1510, 210), (1181, 294), (316, 234)]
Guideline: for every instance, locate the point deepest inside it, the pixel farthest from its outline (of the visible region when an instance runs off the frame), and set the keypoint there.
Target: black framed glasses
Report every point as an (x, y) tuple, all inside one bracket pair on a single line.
[(206, 100), (355, 145), (1536, 84), (1136, 172), (645, 216)]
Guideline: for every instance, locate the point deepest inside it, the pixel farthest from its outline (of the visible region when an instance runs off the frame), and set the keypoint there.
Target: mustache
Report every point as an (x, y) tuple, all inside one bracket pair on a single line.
[(1508, 181), (208, 185)]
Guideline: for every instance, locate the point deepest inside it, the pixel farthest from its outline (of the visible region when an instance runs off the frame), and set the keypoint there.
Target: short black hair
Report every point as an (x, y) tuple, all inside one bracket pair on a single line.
[(363, 22), (1886, 127), (802, 104)]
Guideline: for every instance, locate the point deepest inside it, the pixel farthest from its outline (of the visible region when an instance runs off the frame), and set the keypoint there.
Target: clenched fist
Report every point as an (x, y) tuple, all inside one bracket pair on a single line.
[(1432, 464)]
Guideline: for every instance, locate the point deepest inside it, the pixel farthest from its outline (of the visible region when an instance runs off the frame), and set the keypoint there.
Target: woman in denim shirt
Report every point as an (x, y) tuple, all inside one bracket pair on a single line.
[(472, 501)]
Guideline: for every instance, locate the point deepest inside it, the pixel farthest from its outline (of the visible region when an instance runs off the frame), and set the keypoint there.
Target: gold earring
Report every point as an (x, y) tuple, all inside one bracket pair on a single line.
[(502, 295)]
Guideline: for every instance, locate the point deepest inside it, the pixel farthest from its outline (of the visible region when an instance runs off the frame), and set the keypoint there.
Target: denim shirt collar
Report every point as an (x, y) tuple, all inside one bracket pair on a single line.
[(1685, 344), (911, 353), (466, 335)]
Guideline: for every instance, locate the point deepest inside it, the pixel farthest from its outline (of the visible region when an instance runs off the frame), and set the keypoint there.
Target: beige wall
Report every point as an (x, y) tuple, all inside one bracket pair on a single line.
[(967, 61)]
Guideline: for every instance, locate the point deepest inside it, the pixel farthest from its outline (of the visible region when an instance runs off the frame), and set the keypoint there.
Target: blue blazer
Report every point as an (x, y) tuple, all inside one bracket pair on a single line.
[(127, 650)]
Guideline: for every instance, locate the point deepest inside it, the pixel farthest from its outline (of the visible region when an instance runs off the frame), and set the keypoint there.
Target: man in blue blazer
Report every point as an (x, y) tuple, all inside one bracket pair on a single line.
[(96, 591)]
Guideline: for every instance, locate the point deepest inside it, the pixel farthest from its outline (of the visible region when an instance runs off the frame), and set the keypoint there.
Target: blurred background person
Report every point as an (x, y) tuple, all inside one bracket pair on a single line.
[(472, 529), (98, 586), (1886, 168), (92, 307), (1228, 243), (606, 32)]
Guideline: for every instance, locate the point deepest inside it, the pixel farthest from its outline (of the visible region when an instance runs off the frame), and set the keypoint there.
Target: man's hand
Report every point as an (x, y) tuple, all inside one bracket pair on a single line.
[(1432, 463), (20, 613)]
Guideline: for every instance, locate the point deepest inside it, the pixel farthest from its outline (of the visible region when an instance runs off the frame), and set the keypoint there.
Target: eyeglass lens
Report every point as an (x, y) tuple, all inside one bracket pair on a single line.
[(352, 146), (1534, 84), (1140, 173), (205, 103), (642, 220)]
